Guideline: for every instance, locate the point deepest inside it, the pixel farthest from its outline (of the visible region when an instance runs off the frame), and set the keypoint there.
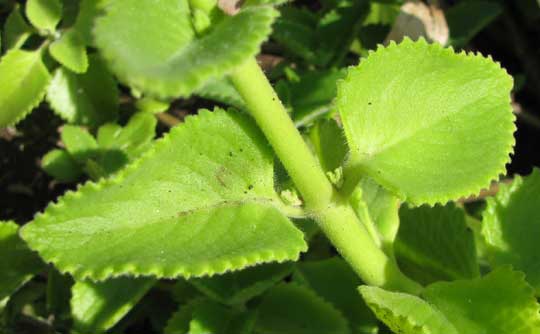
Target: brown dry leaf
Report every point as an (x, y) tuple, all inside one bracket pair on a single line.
[(416, 20)]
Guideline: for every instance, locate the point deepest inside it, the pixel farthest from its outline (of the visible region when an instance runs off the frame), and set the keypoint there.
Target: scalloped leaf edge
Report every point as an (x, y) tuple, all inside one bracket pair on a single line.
[(483, 184), (131, 269)]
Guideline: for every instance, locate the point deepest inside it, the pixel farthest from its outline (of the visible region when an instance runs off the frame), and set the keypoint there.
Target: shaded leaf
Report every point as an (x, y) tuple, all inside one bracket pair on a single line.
[(468, 18), (18, 263), (240, 286), (335, 282), (61, 165), (16, 30), (96, 307), (511, 226), (435, 244), (295, 309)]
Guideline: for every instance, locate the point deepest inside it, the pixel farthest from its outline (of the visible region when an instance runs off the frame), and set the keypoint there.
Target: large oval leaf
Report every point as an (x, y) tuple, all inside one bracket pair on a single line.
[(427, 123), (178, 62), (200, 202)]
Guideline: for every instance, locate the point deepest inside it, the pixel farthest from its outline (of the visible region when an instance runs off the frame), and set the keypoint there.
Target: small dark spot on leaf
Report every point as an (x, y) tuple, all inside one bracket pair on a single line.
[(369, 103), (250, 187), (230, 154)]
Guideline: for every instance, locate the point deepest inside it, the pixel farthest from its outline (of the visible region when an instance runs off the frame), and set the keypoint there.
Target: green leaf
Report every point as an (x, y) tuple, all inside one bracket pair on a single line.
[(406, 314), (379, 206), (435, 244), (86, 99), (313, 94), (334, 280), (24, 81), (79, 143), (150, 105), (222, 91), (239, 287), (178, 63), (16, 30), (70, 51), (44, 14), (61, 165), (295, 309), (511, 225), (202, 316), (417, 118), (295, 31), (210, 317), (178, 323), (89, 10), (499, 303), (18, 263), (97, 306), (133, 139), (328, 143), (200, 202), (468, 18)]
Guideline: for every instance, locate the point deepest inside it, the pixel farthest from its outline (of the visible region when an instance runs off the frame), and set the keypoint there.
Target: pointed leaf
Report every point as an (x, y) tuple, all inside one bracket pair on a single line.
[(418, 118), (334, 280), (499, 303), (406, 314), (200, 202), (178, 63), (466, 19), (16, 30), (44, 14), (295, 309), (23, 84), (511, 226), (70, 51), (86, 99), (18, 263), (435, 244), (97, 306), (239, 287)]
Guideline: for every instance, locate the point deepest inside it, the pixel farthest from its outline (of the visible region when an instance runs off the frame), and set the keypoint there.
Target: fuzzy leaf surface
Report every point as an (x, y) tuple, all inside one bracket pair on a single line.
[(435, 244), (24, 81), (427, 123), (70, 51), (178, 63), (97, 306), (406, 314), (499, 303), (296, 309), (200, 202), (511, 226), (44, 14), (86, 99), (18, 263)]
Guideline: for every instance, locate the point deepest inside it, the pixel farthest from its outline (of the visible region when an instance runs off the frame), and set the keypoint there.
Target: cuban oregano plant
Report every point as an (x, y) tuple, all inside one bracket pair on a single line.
[(228, 200)]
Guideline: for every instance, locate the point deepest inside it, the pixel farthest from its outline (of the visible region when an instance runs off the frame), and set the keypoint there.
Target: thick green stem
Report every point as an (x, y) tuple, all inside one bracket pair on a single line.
[(335, 216)]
